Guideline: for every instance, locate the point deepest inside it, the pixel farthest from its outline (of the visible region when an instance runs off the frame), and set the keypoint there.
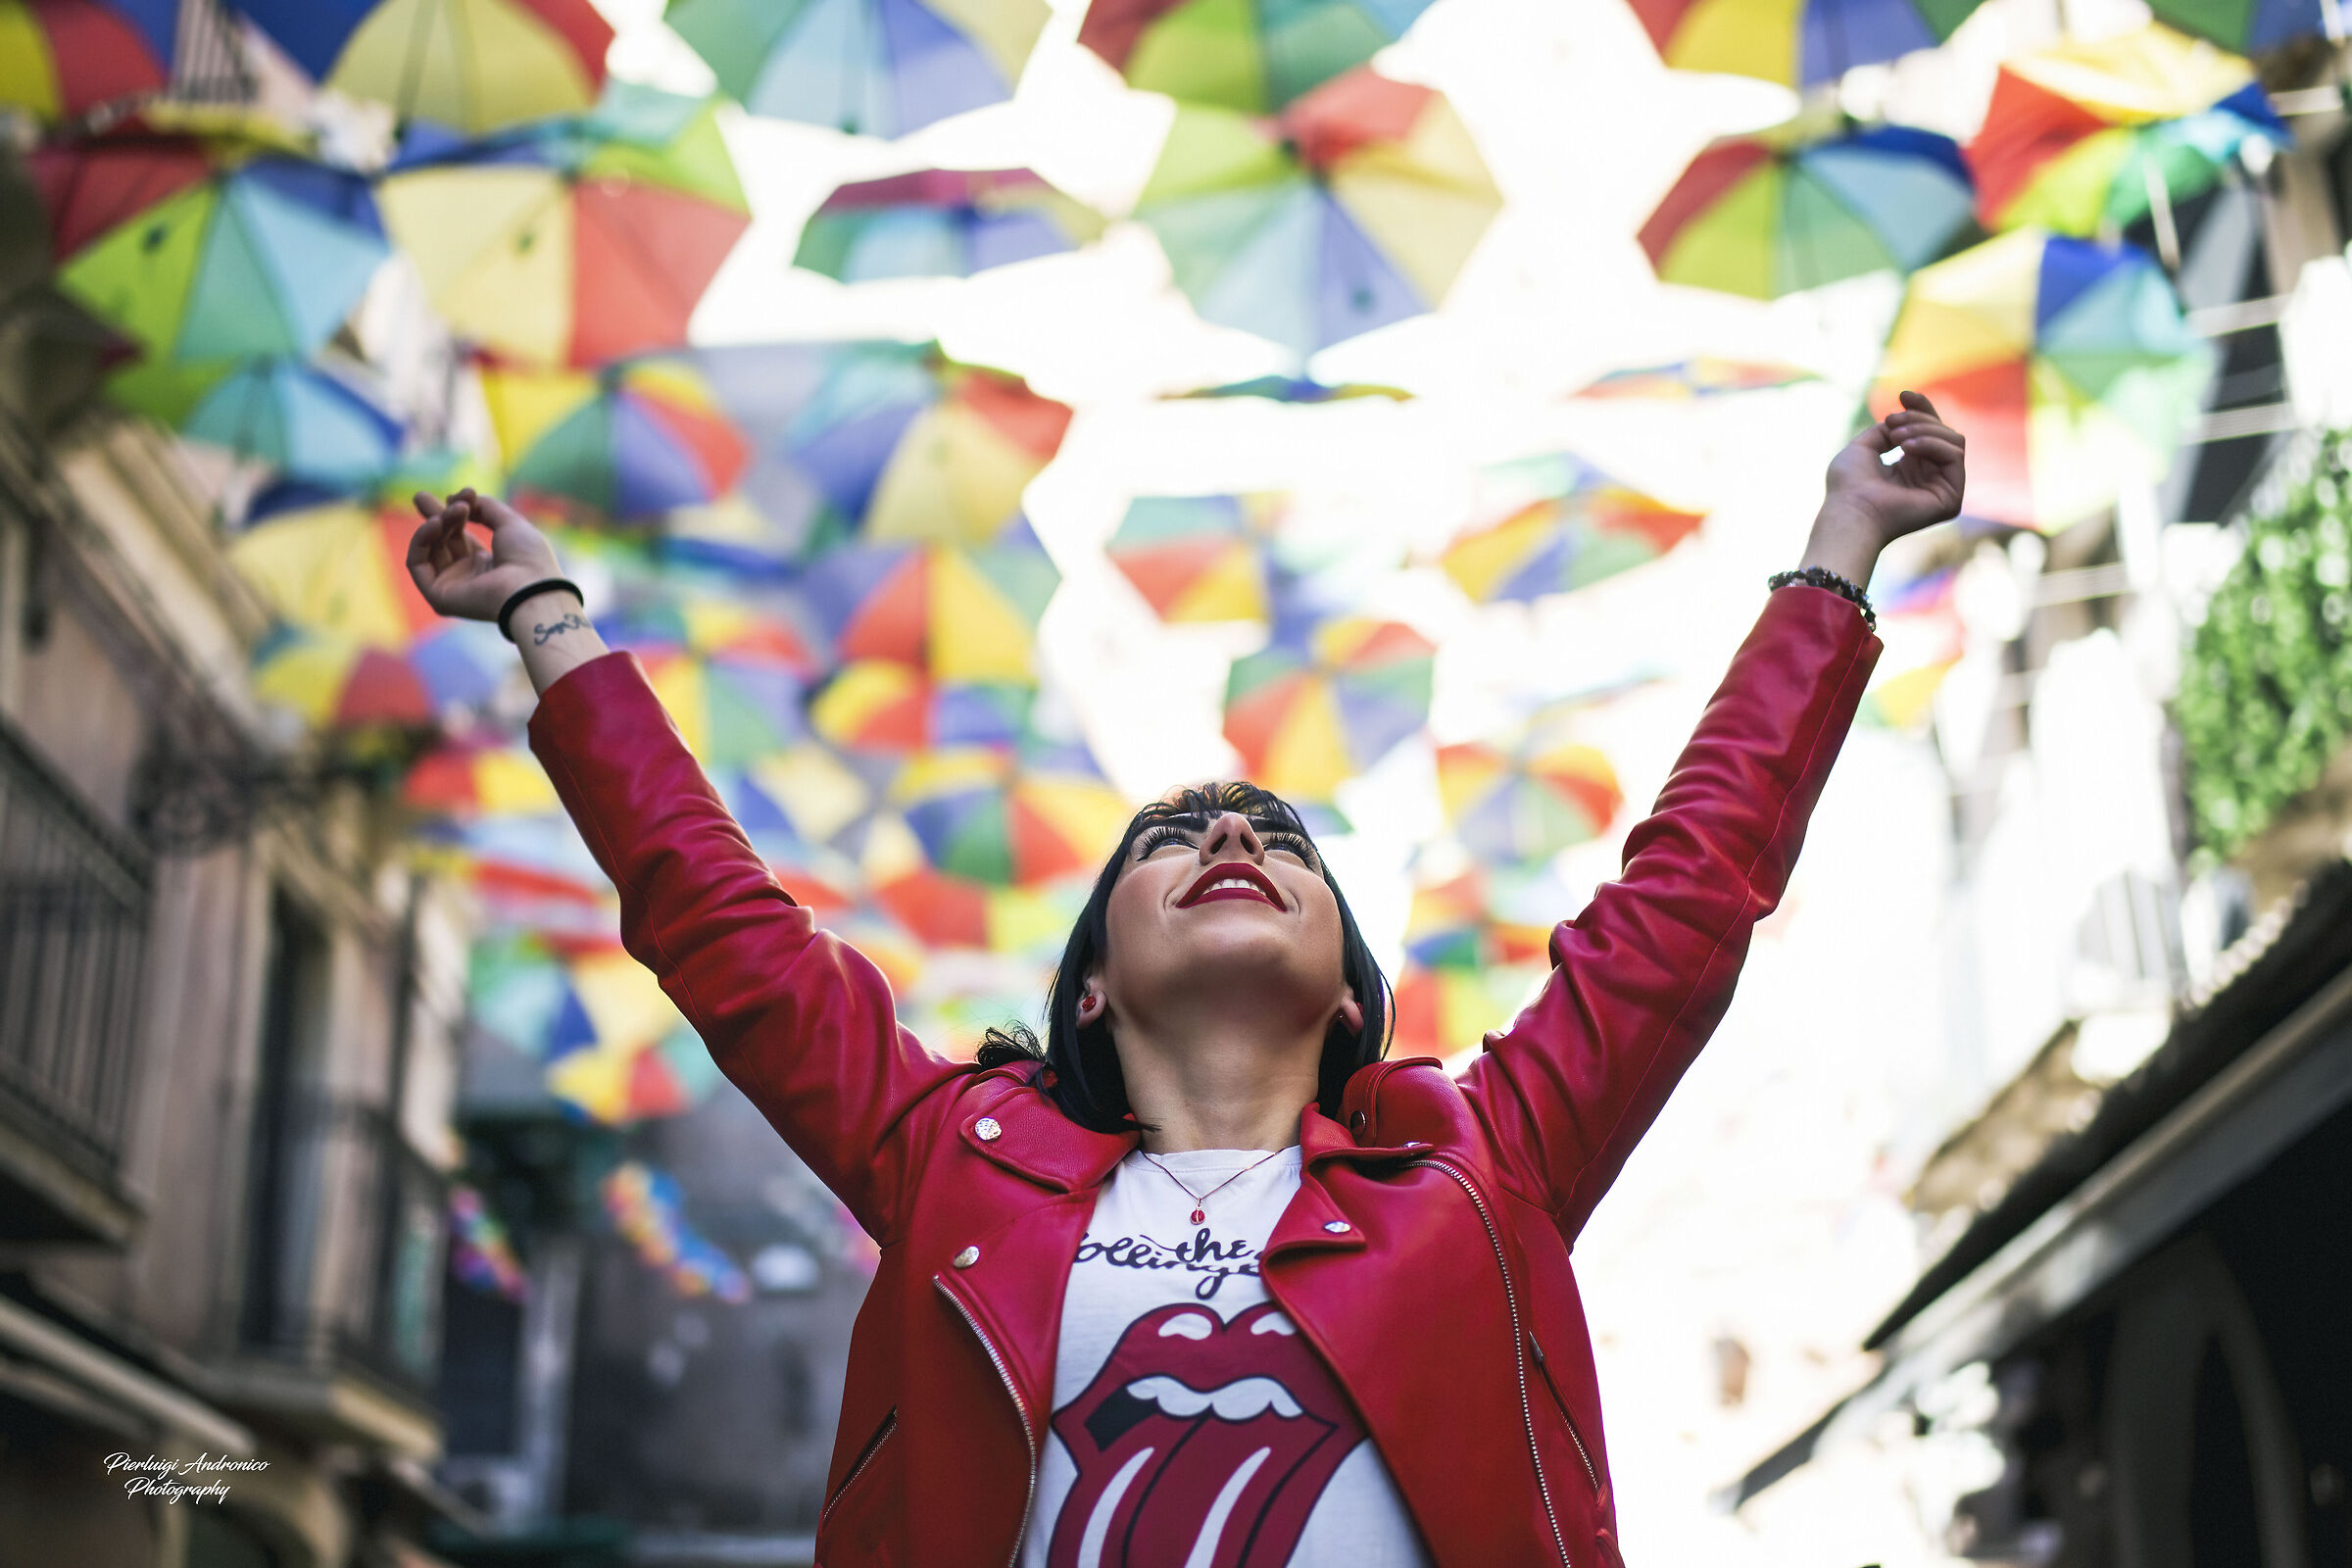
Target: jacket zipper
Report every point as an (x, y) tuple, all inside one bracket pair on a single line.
[(1028, 1436), (873, 1446), (1561, 1400), (1510, 1296)]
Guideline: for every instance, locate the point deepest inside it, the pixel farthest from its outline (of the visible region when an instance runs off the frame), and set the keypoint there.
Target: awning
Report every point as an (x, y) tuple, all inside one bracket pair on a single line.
[(55, 1367)]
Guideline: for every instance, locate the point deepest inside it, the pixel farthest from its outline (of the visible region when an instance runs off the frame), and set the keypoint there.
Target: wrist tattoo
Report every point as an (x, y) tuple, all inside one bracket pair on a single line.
[(541, 631)]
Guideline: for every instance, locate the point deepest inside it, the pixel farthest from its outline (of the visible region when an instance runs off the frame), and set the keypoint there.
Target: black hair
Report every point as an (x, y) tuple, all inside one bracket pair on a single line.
[(1080, 1066)]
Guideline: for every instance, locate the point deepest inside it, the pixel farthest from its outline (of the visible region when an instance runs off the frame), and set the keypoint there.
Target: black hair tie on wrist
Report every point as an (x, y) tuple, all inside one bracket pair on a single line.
[(1823, 577), (515, 600)]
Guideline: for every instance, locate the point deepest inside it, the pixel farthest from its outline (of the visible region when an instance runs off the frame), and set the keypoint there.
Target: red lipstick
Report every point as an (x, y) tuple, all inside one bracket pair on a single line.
[(1205, 889)]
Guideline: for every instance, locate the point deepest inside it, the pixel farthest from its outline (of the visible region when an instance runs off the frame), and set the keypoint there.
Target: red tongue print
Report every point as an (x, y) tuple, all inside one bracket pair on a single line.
[(1201, 1444)]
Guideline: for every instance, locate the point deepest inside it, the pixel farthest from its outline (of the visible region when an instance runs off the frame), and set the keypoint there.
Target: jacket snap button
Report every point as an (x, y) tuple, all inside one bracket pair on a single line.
[(967, 1258), (1336, 1227), (1356, 1122), (988, 1129)]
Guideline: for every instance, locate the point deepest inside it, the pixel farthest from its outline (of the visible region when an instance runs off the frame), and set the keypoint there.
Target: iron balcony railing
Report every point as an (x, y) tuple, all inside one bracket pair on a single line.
[(74, 898), (345, 1254)]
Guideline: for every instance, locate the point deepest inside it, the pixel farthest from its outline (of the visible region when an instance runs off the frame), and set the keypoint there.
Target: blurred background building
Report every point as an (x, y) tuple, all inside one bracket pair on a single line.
[(972, 443)]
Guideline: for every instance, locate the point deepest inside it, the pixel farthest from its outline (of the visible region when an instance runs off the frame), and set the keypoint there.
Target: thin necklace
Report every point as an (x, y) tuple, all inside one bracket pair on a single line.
[(1201, 1199)]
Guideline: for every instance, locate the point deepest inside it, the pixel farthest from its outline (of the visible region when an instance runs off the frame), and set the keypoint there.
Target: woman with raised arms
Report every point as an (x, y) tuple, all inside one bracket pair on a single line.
[(1206, 1280)]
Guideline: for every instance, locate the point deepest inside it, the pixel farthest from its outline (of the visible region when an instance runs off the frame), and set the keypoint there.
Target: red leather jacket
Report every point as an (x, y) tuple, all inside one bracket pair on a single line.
[(1426, 1252)]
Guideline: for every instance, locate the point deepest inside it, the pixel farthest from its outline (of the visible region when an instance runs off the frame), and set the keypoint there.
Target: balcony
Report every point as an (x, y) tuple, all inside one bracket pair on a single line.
[(74, 895), (338, 1328)]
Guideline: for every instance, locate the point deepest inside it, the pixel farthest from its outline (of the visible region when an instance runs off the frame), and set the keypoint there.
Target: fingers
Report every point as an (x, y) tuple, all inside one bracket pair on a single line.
[(496, 512), (1933, 448)]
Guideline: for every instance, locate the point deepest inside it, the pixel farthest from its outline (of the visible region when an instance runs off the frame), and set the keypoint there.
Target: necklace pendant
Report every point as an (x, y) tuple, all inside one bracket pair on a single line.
[(1197, 1216)]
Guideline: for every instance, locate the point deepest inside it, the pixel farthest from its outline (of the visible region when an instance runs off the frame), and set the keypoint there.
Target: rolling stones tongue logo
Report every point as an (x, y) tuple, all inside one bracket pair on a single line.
[(1201, 1443)]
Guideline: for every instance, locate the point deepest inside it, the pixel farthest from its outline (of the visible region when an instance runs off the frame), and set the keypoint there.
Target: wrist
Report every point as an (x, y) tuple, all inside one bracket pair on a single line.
[(1844, 540), (548, 599)]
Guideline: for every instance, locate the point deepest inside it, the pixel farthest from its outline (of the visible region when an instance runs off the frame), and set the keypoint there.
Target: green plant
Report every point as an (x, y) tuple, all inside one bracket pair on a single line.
[(2266, 689)]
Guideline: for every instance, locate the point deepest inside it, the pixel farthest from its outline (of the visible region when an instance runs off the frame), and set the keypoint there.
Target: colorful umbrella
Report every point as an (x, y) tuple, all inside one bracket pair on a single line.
[(730, 711), (480, 778), (1255, 55), (471, 65), (339, 568), (1789, 210), (2085, 137), (941, 222), (630, 440), (61, 58), (648, 1211), (1354, 208), (1198, 557), (707, 619), (942, 911), (302, 418), (1308, 715), (206, 249), (339, 682), (1582, 527), (881, 705), (528, 872), (573, 241), (479, 1254), (892, 439), (2068, 363), (1515, 804), (1701, 377), (1460, 923), (962, 613), (1802, 44), (1446, 1011), (2249, 27), (880, 68), (996, 816), (1919, 622), (1293, 389)]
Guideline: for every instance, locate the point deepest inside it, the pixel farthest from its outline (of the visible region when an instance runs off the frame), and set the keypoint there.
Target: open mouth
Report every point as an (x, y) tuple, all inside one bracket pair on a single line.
[(1230, 879), (1201, 1442)]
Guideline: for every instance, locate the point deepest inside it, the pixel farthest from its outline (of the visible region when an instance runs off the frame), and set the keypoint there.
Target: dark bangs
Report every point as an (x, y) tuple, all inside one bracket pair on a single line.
[(1082, 1065)]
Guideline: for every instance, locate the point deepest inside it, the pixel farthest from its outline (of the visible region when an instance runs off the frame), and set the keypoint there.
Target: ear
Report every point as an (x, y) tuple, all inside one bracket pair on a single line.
[(1090, 1003), (1351, 1014)]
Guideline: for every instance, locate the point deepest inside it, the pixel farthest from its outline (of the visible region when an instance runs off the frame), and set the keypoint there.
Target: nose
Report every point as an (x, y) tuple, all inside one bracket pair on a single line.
[(1230, 836)]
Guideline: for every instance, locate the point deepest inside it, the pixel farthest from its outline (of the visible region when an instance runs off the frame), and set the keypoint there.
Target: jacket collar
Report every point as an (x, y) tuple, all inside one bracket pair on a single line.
[(1032, 1138)]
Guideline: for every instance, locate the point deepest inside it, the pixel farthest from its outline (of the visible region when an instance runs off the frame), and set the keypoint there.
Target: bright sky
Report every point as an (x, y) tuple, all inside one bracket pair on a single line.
[(1766, 1205)]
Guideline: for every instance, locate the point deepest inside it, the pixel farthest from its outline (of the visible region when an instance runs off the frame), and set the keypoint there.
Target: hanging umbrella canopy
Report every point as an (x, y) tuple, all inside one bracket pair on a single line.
[(573, 241), (881, 705), (1807, 43), (1310, 714), (471, 65), (61, 58), (941, 222), (731, 712), (1793, 209), (1295, 389), (1580, 526), (999, 817), (1517, 805), (340, 568), (301, 418), (2249, 27), (1445, 1011), (481, 778), (876, 68), (631, 440), (708, 620), (1353, 209), (962, 613), (2080, 138), (2068, 363), (206, 246), (337, 682), (939, 909), (1198, 557), (1683, 380), (1255, 56), (1453, 923), (891, 440), (1920, 624)]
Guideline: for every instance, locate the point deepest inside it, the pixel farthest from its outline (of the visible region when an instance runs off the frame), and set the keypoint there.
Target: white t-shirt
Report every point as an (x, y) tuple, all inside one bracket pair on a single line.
[(1193, 1426)]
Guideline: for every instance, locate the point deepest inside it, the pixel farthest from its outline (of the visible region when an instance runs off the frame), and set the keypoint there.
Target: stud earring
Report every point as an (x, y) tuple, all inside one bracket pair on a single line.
[(1090, 1006)]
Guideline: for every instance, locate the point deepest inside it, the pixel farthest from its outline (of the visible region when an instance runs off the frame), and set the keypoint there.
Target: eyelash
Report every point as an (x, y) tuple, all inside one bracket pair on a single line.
[(1153, 838)]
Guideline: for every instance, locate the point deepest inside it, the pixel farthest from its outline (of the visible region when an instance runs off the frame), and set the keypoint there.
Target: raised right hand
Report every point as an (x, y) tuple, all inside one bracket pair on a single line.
[(458, 574)]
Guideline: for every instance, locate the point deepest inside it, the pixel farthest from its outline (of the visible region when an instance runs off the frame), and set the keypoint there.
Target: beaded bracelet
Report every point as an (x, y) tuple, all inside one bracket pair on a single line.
[(515, 599), (1823, 577)]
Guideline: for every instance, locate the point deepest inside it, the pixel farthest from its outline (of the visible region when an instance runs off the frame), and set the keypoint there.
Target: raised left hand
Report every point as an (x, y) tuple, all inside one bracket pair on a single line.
[(1919, 490)]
